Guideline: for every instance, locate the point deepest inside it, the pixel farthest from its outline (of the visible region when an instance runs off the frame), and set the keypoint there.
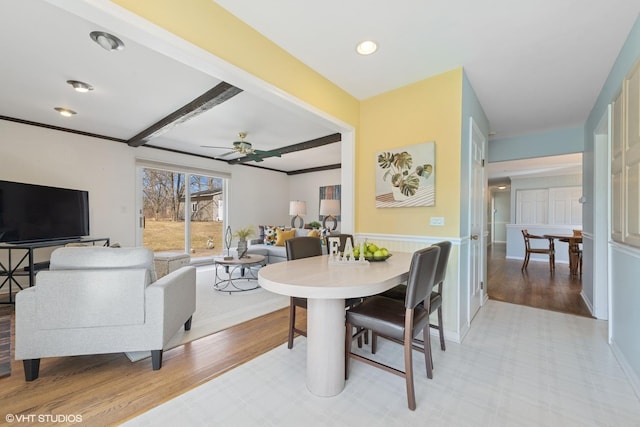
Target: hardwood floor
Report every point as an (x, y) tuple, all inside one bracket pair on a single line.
[(109, 389), (535, 287), (5, 340)]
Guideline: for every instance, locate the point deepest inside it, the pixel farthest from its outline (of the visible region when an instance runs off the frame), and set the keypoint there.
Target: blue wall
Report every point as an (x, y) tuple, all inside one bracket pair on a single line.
[(625, 261), (542, 144), (470, 108)]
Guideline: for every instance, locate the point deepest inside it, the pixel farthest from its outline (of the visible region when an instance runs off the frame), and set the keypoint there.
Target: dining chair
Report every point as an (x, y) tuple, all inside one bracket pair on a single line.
[(575, 251), (299, 248), (528, 249), (399, 321), (399, 292), (343, 240)]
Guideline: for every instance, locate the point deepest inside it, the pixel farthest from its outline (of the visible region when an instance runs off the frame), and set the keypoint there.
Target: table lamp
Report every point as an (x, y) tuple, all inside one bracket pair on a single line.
[(330, 208), (298, 209)]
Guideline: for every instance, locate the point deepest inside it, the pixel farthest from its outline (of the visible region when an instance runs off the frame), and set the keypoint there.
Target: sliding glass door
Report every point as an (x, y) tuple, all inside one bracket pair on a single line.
[(182, 212)]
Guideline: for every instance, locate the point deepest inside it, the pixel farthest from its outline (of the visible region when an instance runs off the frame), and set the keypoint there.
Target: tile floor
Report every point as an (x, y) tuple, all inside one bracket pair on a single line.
[(518, 366)]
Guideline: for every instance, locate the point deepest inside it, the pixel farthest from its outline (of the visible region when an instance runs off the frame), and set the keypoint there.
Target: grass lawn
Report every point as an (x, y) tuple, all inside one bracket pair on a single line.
[(169, 236)]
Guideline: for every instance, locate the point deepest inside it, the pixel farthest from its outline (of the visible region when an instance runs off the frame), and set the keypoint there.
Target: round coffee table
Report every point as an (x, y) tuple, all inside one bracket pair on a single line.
[(247, 266)]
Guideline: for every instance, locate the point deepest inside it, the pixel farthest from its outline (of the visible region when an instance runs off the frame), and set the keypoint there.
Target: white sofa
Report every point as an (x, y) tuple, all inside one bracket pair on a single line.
[(96, 300), (273, 253)]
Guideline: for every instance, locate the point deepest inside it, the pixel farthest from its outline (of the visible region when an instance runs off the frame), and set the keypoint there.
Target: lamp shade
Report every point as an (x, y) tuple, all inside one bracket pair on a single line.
[(330, 207), (297, 207)]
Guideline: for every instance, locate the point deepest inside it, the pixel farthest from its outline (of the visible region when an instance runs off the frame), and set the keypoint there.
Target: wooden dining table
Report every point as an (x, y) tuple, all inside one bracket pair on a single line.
[(574, 248), (326, 286)]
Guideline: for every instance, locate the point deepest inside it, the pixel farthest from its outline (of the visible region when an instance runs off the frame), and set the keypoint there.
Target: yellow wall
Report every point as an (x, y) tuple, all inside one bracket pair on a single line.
[(209, 26), (429, 110)]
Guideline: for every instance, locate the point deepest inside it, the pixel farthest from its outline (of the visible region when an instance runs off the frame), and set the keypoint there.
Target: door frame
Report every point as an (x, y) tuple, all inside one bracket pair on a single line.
[(601, 223)]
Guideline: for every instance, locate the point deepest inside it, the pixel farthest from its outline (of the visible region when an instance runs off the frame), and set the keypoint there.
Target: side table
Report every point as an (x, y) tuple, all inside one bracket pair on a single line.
[(247, 267)]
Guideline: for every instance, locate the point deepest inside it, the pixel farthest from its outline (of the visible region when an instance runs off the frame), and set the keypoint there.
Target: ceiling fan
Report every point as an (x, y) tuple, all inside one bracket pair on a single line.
[(246, 149)]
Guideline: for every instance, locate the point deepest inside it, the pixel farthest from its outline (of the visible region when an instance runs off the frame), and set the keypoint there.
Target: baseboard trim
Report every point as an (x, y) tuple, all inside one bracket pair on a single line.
[(632, 376), (587, 302)]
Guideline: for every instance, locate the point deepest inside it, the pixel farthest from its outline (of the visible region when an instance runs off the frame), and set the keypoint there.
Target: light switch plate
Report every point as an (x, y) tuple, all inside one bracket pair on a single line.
[(437, 221)]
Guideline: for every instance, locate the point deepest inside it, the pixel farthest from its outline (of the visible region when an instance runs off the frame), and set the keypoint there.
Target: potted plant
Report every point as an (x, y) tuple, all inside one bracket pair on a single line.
[(242, 234), (404, 181), (315, 225)]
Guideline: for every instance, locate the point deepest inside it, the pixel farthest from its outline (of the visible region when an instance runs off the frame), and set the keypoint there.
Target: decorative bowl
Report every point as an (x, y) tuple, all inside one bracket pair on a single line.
[(376, 259)]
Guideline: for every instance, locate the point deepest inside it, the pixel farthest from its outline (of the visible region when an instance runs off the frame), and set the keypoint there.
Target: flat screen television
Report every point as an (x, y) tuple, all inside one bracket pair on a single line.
[(31, 212)]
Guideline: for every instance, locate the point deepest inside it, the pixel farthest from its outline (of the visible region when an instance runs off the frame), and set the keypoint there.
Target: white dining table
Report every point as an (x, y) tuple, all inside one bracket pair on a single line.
[(326, 286)]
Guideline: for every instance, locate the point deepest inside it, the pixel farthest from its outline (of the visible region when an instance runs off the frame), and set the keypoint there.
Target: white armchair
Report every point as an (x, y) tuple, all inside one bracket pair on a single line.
[(96, 300)]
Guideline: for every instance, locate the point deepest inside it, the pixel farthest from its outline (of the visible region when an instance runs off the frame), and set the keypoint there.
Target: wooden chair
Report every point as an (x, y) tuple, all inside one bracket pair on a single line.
[(399, 321), (549, 250), (575, 253)]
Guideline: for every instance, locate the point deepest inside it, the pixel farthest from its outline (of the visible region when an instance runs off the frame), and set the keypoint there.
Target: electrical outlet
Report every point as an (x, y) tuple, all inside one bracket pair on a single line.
[(437, 221)]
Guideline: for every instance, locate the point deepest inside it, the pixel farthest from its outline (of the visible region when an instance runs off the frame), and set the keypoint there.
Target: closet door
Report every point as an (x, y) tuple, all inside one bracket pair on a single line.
[(564, 207), (532, 206)]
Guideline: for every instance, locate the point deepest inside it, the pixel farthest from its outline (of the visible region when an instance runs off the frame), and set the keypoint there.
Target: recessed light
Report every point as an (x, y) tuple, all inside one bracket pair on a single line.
[(366, 47), (107, 41), (502, 187), (80, 86), (65, 111)]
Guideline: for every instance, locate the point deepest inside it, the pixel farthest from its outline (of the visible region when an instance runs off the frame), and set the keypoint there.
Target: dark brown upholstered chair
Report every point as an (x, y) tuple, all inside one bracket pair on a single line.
[(399, 321), (298, 248), (528, 250), (343, 240), (435, 301)]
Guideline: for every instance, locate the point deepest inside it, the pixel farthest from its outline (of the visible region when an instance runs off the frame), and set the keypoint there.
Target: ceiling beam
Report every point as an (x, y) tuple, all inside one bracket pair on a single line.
[(61, 129), (316, 169), (214, 96), (313, 143)]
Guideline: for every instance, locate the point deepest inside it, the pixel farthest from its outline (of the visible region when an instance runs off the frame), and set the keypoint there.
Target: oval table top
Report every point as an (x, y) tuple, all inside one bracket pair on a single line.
[(315, 277)]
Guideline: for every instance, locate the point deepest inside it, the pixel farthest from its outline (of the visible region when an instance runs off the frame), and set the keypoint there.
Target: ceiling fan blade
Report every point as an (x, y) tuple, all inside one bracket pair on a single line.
[(265, 154), (254, 157), (228, 153), (214, 146)]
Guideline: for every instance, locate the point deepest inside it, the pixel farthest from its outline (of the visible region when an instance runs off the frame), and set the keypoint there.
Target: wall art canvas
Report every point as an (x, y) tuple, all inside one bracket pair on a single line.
[(405, 176), (331, 192)]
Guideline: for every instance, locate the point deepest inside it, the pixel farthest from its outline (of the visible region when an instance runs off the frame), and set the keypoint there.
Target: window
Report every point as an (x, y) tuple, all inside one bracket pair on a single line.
[(182, 211)]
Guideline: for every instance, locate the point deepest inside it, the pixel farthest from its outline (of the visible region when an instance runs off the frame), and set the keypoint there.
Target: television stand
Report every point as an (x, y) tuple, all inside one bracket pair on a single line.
[(10, 270)]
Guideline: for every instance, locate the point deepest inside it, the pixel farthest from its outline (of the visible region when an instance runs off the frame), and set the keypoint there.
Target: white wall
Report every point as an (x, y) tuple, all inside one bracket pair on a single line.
[(306, 187), (107, 170)]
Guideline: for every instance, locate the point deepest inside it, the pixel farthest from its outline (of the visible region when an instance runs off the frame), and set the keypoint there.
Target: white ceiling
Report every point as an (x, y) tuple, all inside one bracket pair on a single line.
[(534, 66)]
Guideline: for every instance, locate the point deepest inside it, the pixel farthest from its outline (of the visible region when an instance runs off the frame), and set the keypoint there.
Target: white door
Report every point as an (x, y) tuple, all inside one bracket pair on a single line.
[(476, 204)]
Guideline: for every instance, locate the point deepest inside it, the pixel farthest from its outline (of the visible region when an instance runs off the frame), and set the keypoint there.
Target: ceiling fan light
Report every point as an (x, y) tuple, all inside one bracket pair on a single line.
[(65, 111), (107, 41), (79, 86)]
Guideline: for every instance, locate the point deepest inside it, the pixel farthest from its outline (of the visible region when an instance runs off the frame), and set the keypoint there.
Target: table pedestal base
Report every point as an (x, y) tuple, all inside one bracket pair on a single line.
[(325, 346)]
